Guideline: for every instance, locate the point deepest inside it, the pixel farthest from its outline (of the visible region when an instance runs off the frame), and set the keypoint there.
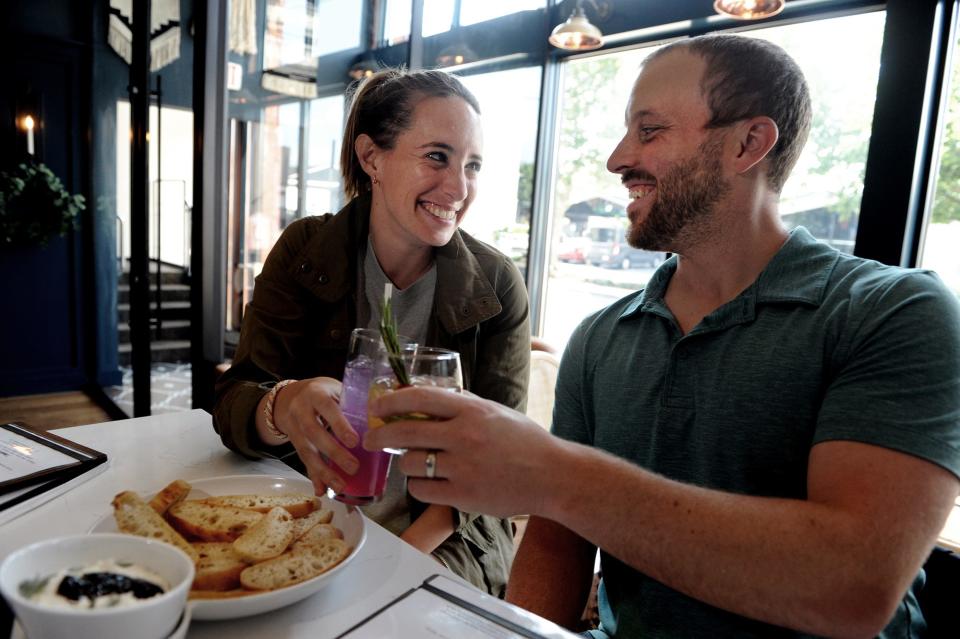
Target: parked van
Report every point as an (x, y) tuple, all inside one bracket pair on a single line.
[(609, 248)]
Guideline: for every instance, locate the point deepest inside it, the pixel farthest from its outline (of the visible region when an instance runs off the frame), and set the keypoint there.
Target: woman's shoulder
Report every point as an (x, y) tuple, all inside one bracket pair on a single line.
[(491, 261), (301, 231), (294, 241)]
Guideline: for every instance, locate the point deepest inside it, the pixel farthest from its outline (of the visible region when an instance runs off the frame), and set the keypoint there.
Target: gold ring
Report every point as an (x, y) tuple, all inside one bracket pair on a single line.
[(430, 464)]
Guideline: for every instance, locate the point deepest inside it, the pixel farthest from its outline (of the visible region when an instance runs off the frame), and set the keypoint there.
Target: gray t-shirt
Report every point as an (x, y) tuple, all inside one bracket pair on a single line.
[(823, 346), (411, 308)]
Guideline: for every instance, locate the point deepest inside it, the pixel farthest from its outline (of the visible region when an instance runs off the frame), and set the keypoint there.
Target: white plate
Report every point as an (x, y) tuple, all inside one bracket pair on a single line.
[(347, 518)]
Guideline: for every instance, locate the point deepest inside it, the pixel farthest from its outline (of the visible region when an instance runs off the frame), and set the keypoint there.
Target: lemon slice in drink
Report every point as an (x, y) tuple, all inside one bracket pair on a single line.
[(379, 390)]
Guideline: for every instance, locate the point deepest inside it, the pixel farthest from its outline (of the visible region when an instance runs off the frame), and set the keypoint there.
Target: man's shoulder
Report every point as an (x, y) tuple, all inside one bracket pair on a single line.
[(868, 283), (602, 324)]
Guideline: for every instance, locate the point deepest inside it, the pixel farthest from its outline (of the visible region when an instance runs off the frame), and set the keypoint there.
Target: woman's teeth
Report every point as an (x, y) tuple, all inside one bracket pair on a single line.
[(638, 192), (439, 211)]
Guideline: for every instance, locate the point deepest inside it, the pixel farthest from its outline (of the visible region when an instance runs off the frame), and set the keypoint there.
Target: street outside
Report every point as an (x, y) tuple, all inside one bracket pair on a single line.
[(577, 290)]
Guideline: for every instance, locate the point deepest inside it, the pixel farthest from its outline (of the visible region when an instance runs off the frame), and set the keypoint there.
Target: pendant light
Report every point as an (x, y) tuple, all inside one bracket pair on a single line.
[(748, 9), (577, 33)]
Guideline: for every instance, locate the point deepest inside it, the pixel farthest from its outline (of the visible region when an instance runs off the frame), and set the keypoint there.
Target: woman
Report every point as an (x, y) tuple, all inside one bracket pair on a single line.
[(410, 162)]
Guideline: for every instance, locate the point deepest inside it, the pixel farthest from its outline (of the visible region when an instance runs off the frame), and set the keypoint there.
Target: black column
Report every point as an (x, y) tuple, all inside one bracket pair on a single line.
[(139, 208)]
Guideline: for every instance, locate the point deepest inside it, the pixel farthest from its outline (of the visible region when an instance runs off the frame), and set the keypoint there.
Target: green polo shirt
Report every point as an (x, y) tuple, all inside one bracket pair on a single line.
[(822, 346)]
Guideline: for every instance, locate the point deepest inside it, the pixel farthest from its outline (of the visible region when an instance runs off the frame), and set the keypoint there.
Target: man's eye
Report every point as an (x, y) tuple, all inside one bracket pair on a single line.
[(438, 156), (648, 131)]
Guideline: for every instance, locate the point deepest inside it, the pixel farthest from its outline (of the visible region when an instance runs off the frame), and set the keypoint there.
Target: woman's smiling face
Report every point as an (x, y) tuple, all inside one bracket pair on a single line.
[(426, 182)]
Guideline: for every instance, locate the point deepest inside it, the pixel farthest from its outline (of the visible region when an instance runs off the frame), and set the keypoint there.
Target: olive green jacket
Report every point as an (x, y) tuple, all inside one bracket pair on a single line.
[(298, 326)]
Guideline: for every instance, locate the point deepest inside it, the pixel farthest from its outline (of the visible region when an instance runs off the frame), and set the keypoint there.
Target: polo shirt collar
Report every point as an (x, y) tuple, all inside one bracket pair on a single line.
[(798, 272)]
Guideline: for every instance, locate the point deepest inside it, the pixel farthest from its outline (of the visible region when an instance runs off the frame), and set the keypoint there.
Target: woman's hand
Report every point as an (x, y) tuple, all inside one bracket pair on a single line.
[(308, 412)]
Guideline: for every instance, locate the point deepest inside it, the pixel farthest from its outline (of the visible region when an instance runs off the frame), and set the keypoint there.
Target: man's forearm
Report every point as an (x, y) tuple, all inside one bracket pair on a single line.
[(816, 567)]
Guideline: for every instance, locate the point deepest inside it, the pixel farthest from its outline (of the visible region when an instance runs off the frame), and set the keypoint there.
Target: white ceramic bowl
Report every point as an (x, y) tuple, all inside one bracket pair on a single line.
[(153, 618)]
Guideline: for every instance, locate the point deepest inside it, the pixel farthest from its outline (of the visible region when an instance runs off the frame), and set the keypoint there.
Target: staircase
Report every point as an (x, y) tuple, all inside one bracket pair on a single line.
[(171, 343)]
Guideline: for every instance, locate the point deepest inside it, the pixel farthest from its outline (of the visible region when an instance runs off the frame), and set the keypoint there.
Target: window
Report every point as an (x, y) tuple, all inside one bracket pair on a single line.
[(396, 23), (437, 16), (474, 11), (840, 58), (589, 203), (336, 26), (942, 233), (323, 188), (500, 215), (171, 182)]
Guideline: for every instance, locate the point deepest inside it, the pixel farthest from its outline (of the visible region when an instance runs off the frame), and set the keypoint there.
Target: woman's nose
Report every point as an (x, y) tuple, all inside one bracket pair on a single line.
[(455, 183)]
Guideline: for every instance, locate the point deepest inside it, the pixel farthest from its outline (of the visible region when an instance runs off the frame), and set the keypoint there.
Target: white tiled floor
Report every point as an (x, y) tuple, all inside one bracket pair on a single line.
[(170, 389)]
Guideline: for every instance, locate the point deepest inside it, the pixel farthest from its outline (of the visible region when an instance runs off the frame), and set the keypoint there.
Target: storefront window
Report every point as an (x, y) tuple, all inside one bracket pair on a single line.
[(942, 233), (590, 264), (474, 11), (500, 215)]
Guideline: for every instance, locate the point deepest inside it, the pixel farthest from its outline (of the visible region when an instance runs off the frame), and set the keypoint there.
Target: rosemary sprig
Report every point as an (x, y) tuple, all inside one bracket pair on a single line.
[(388, 331)]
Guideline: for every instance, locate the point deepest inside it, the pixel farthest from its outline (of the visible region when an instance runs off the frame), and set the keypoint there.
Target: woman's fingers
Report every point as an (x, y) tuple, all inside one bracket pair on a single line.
[(316, 426)]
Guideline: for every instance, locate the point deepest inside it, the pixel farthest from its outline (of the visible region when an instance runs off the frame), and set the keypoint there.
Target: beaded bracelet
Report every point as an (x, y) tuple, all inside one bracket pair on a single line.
[(268, 409)]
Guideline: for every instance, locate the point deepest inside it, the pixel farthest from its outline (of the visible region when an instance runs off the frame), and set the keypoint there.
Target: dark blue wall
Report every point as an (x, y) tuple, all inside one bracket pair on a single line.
[(58, 323), (44, 328)]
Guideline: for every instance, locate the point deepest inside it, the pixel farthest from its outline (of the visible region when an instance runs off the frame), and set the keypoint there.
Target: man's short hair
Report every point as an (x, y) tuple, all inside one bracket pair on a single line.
[(748, 77)]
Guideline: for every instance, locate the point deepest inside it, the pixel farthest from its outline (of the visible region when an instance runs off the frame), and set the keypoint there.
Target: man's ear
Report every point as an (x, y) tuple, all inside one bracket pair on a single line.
[(755, 138), (368, 154)]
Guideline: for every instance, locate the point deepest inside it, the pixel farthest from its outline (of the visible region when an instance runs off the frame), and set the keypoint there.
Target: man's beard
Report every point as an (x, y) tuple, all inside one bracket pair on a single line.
[(682, 214)]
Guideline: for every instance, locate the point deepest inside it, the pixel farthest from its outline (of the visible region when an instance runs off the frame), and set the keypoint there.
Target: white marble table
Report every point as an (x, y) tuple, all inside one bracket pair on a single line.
[(147, 453)]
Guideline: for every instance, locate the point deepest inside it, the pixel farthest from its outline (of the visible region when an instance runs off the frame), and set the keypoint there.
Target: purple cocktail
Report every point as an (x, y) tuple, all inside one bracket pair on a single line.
[(367, 485)]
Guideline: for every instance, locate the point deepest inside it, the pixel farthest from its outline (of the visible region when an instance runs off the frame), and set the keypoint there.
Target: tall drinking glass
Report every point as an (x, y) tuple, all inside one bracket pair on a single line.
[(426, 366), (366, 360)]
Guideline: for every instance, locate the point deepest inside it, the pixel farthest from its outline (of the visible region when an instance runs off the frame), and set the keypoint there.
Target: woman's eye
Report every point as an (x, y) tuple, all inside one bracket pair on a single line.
[(474, 166)]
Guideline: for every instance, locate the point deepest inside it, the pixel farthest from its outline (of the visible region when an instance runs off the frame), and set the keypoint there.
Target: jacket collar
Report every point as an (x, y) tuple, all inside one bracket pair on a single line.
[(465, 297), (327, 267)]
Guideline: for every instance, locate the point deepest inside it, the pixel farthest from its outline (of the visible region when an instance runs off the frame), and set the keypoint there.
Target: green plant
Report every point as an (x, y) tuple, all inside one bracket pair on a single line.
[(34, 206)]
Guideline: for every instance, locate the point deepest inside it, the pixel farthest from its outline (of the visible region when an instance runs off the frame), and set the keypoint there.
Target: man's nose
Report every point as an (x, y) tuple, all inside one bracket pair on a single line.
[(621, 158)]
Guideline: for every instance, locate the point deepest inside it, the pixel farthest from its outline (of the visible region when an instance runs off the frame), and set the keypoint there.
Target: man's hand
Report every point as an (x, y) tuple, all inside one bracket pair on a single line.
[(308, 412), (489, 458)]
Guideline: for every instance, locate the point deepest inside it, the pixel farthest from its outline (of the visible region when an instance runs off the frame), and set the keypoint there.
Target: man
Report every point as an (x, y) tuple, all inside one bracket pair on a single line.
[(763, 442)]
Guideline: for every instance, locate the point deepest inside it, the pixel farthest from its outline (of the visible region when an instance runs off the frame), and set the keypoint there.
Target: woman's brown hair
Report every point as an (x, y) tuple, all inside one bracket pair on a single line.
[(382, 106)]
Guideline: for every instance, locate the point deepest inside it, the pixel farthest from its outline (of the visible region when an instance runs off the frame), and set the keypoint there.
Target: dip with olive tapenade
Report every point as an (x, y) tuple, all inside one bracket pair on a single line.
[(104, 584)]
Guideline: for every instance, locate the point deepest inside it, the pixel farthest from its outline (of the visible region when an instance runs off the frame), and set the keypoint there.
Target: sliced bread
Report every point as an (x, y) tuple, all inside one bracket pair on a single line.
[(267, 538), (211, 523), (295, 566), (317, 533), (303, 524), (218, 567), (175, 492), (297, 504), (135, 517)]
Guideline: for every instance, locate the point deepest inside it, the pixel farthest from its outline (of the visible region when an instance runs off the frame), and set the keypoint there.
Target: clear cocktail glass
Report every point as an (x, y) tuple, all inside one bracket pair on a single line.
[(366, 361), (426, 366)]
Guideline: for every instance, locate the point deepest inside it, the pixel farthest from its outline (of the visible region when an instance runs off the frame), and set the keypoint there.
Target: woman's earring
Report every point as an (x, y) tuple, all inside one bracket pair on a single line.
[(375, 180)]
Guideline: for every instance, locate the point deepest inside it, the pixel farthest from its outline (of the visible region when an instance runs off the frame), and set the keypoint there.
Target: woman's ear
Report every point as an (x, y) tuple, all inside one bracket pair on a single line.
[(368, 154), (756, 137)]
